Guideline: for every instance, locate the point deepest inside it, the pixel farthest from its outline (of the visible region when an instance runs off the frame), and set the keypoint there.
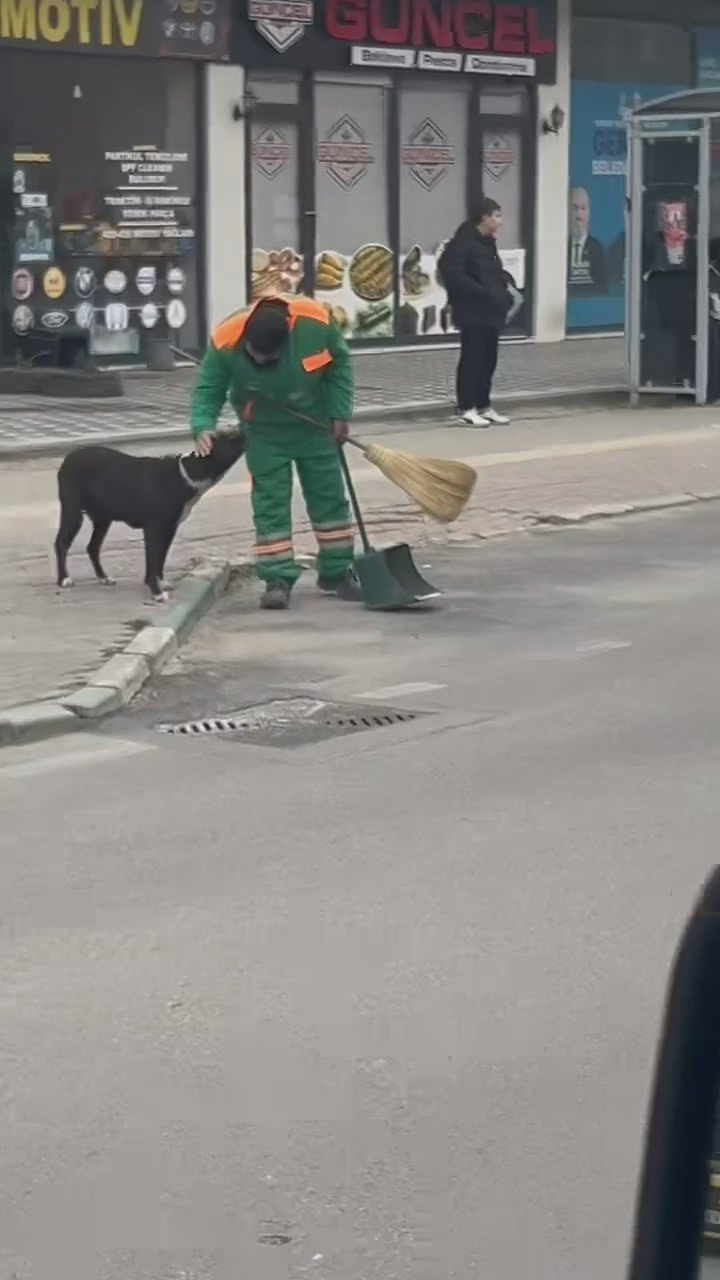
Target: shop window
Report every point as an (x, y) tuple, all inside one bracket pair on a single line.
[(354, 263), (276, 264), (104, 201), (433, 198)]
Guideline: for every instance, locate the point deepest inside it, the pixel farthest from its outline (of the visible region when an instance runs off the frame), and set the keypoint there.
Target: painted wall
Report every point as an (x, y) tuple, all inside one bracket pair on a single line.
[(551, 216), (225, 199), (707, 58)]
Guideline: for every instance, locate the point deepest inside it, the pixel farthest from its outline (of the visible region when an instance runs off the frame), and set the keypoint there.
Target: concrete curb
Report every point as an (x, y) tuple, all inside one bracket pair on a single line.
[(118, 680), (366, 417)]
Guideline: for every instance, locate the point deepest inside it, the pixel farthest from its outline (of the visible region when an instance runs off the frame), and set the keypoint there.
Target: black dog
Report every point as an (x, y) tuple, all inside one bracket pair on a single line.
[(152, 494)]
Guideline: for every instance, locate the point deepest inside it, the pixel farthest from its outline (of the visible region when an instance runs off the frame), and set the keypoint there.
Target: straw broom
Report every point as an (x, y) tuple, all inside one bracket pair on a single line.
[(440, 486)]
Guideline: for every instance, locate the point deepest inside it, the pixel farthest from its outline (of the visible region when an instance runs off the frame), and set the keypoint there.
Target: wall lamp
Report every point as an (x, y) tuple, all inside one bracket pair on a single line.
[(244, 106), (555, 121)]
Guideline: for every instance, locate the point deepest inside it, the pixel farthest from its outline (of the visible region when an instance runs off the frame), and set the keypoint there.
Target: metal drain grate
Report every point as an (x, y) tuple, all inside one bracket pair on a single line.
[(289, 722)]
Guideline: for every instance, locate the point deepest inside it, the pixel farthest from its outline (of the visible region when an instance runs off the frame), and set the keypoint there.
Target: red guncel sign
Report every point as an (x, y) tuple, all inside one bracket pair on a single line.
[(468, 26), (487, 37)]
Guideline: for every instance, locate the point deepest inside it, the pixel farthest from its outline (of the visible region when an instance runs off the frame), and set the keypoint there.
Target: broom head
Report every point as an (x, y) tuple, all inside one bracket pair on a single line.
[(440, 486)]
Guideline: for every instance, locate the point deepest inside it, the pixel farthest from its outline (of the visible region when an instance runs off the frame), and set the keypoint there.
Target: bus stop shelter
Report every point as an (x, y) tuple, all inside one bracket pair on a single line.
[(672, 277)]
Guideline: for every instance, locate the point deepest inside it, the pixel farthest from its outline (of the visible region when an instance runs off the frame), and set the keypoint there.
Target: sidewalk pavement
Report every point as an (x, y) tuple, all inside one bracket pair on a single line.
[(534, 473), (389, 383)]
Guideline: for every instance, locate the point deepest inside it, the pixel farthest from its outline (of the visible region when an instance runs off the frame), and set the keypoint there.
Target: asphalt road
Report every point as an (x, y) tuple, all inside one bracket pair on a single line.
[(384, 1007)]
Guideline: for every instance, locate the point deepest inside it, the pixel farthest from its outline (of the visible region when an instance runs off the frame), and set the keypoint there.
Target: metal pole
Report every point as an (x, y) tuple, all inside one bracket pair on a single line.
[(702, 321), (633, 283)]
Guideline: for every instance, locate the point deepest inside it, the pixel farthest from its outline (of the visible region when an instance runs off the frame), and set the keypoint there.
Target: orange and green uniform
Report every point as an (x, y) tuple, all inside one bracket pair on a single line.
[(312, 377)]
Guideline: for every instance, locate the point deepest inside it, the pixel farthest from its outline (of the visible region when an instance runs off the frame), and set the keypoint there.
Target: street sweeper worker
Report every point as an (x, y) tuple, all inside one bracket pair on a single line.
[(276, 359)]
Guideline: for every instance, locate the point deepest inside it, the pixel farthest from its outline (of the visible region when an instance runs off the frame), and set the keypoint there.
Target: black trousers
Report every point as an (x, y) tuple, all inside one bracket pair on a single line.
[(476, 366)]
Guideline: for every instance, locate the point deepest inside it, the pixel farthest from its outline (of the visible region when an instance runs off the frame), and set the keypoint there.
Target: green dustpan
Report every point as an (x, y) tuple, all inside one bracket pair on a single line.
[(388, 578)]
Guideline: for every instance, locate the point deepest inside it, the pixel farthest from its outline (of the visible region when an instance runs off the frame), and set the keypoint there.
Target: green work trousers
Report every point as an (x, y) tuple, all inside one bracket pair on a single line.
[(272, 450)]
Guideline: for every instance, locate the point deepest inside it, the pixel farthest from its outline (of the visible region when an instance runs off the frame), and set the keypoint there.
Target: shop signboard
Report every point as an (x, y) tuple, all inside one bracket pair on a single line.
[(146, 28), (109, 273), (596, 231), (148, 202), (478, 37)]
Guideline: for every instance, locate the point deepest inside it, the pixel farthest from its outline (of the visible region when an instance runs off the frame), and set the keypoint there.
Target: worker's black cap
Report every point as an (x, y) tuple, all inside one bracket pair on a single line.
[(267, 329)]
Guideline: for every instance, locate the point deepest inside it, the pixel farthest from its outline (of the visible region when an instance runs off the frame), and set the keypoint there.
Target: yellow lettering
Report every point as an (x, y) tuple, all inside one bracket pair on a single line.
[(84, 9), (17, 20), (53, 20), (105, 22), (128, 21)]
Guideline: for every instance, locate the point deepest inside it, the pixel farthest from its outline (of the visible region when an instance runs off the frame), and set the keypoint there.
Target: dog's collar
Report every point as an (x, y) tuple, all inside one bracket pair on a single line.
[(196, 485)]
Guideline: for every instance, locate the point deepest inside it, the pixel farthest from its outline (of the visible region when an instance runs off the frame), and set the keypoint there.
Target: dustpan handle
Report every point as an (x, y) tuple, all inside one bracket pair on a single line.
[(354, 501)]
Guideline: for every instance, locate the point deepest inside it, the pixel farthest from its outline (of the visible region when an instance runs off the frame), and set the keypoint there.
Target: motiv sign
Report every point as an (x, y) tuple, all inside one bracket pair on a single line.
[(194, 29)]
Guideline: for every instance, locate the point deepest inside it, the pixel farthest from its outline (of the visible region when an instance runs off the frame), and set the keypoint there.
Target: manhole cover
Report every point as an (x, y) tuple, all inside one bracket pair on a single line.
[(292, 722)]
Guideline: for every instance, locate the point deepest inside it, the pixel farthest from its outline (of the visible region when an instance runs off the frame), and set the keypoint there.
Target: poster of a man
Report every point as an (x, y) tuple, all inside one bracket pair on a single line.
[(587, 263)]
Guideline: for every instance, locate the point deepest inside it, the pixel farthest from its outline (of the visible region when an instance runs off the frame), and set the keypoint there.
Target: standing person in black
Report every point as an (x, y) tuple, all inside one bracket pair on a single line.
[(472, 272)]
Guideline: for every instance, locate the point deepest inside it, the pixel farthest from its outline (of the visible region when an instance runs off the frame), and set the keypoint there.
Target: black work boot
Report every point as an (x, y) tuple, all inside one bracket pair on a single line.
[(277, 595), (346, 587)]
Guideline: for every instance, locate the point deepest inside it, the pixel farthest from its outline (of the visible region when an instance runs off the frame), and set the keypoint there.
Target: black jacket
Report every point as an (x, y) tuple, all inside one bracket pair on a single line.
[(472, 271)]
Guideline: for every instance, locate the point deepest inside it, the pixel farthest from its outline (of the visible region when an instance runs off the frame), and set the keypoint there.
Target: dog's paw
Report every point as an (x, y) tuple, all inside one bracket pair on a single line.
[(107, 582), (66, 582)]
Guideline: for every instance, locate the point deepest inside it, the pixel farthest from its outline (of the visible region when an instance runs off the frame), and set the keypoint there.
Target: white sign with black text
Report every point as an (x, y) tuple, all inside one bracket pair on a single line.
[(369, 56), (441, 60)]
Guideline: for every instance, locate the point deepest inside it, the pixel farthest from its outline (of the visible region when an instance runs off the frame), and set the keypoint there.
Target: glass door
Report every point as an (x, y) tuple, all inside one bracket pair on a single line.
[(280, 225), (504, 171), (669, 297)]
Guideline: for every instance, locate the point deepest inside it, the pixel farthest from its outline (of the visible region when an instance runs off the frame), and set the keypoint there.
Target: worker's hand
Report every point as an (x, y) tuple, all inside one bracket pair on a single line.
[(340, 430), (205, 443)]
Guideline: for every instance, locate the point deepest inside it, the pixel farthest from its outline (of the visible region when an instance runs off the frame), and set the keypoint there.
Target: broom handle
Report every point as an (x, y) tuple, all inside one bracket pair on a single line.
[(312, 422), (354, 501)]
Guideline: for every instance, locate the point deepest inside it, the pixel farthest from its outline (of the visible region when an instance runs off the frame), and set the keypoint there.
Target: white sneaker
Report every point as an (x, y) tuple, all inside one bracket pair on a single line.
[(492, 415), (473, 418)]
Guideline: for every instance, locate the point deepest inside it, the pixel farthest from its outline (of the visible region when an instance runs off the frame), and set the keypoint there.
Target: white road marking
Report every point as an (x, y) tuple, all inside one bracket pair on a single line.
[(591, 648), (398, 691), (72, 752)]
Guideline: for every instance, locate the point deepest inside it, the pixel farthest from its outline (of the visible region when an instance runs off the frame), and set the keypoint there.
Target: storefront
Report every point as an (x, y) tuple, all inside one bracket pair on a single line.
[(101, 133), (370, 127)]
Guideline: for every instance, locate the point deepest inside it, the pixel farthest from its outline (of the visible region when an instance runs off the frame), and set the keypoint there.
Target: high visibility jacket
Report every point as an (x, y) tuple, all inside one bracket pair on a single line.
[(313, 375)]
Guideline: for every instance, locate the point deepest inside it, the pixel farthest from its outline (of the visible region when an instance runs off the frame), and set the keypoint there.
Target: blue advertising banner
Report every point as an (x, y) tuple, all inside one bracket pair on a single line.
[(707, 58), (596, 234)]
